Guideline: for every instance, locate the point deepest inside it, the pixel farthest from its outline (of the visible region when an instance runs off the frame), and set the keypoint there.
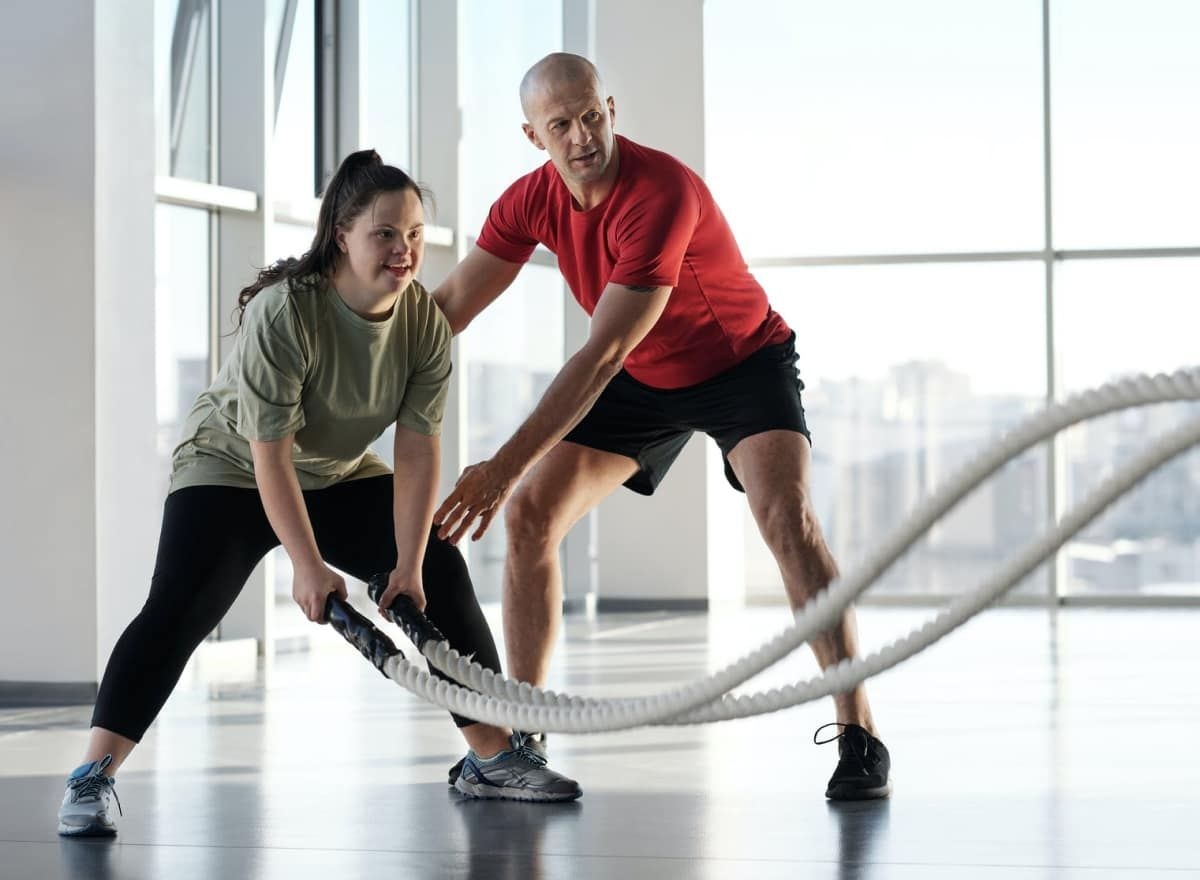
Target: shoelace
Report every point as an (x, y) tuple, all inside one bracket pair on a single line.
[(841, 734), (837, 736), (531, 754), (91, 786), (851, 759)]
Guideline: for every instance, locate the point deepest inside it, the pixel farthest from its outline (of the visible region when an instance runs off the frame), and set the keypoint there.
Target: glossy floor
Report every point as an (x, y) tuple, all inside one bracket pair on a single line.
[(1025, 746)]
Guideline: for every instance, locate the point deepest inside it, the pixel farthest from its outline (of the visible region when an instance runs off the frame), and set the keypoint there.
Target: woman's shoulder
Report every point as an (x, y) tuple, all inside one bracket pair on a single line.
[(426, 317), (288, 296)]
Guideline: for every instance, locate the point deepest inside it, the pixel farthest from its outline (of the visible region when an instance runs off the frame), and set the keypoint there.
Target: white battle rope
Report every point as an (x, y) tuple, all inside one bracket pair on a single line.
[(520, 705)]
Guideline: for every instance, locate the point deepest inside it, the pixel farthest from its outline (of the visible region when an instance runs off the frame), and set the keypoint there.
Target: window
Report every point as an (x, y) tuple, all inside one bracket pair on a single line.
[(181, 318), (1126, 81), (496, 47), (875, 127), (384, 95), (516, 350), (889, 161), (1118, 317), (515, 347), (292, 166), (910, 371), (183, 88)]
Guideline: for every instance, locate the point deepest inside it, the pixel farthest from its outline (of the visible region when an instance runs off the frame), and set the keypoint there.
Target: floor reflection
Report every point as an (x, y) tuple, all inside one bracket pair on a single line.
[(94, 859), (861, 831), (506, 840)]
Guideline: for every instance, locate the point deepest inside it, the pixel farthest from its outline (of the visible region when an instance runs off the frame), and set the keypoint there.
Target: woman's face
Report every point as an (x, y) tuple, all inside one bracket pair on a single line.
[(384, 245)]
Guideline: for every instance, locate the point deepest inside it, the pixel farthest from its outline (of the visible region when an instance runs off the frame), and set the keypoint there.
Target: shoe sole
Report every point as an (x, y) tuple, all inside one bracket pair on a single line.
[(492, 793), (93, 829), (859, 794)]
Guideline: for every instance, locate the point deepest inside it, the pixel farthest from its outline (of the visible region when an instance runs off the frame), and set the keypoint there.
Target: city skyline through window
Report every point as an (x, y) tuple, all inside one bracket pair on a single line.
[(889, 138)]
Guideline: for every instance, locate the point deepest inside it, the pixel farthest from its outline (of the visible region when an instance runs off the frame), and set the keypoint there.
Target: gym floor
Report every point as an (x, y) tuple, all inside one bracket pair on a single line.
[(1026, 745)]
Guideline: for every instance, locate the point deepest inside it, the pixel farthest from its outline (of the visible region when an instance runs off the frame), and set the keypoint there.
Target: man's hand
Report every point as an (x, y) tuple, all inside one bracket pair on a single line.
[(478, 494), (311, 587), (401, 582)]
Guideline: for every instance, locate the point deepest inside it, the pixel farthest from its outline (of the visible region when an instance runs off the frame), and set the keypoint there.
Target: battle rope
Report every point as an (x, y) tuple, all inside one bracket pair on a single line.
[(494, 699)]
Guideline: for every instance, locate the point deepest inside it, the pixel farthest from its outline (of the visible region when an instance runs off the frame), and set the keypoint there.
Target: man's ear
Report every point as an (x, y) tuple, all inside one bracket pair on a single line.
[(612, 110), (532, 135)]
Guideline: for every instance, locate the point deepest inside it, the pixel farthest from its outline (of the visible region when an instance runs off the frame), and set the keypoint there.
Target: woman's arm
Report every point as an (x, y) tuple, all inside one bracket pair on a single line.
[(417, 465), (280, 491)]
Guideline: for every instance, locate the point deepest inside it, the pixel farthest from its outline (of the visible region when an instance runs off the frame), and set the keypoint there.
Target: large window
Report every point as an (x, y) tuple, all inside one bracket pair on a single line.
[(496, 47), (183, 88), (384, 96), (292, 168), (874, 126), (910, 370), (181, 317), (1126, 102), (1119, 317), (183, 94), (887, 169), (514, 348)]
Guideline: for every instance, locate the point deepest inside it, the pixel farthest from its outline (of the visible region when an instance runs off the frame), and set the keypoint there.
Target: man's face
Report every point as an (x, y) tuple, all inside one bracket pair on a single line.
[(574, 124)]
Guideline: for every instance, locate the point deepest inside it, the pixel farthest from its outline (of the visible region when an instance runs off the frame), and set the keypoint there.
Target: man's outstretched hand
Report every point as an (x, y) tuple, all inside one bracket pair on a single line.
[(478, 494)]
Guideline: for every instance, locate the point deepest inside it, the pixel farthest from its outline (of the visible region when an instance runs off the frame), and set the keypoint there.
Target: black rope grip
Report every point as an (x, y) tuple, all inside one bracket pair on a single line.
[(404, 614), (359, 632)]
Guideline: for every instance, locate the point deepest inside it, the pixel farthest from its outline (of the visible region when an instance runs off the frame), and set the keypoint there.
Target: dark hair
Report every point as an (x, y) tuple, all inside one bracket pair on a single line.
[(360, 179)]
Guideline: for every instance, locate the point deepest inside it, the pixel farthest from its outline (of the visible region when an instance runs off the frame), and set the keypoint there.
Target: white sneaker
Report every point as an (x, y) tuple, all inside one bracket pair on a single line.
[(85, 805)]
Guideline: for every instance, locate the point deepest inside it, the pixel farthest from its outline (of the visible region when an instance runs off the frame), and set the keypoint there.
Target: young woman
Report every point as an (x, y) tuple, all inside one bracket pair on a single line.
[(333, 348)]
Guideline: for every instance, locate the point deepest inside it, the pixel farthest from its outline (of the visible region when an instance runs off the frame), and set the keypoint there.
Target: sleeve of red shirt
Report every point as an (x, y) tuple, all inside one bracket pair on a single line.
[(653, 236), (506, 232)]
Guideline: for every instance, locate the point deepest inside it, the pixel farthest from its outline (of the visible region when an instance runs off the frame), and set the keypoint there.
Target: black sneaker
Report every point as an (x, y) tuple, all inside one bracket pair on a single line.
[(864, 766), (536, 741)]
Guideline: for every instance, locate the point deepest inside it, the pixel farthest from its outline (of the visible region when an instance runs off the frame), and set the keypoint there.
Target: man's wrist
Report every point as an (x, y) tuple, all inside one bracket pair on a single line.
[(511, 461)]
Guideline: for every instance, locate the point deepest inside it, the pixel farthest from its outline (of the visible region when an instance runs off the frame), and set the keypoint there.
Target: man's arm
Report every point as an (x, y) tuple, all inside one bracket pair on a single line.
[(623, 317), (472, 286)]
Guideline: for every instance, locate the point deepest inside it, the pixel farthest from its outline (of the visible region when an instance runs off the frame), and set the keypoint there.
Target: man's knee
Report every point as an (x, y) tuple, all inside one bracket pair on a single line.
[(531, 524), (788, 522)]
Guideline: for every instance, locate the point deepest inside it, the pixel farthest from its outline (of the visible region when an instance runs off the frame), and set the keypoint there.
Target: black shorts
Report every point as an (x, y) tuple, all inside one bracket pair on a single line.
[(652, 425)]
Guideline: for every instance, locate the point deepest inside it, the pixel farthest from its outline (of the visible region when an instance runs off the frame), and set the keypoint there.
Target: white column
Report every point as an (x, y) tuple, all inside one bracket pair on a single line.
[(128, 504), (78, 512), (684, 546)]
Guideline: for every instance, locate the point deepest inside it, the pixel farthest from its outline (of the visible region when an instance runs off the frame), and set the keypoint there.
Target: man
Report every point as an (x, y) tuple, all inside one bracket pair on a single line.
[(681, 334)]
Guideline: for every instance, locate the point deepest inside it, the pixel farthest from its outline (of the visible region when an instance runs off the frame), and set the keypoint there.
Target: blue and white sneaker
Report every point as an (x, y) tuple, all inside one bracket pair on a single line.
[(536, 741), (87, 801), (518, 774)]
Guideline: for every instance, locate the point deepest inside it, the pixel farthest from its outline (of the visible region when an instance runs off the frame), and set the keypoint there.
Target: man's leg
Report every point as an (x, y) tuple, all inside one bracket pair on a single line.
[(568, 482), (773, 468)]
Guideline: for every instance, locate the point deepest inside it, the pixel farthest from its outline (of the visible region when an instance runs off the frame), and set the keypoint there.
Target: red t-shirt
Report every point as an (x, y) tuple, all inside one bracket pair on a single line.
[(658, 227)]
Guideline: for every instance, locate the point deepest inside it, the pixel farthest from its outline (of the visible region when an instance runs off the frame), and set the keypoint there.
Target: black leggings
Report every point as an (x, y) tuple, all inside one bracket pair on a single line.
[(213, 537)]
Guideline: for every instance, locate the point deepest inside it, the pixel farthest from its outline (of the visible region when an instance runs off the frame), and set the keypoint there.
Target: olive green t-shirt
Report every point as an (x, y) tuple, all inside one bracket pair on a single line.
[(305, 364)]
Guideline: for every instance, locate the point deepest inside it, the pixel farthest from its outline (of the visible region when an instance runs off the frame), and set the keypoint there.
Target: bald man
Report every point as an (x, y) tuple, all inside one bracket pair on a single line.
[(682, 339)]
